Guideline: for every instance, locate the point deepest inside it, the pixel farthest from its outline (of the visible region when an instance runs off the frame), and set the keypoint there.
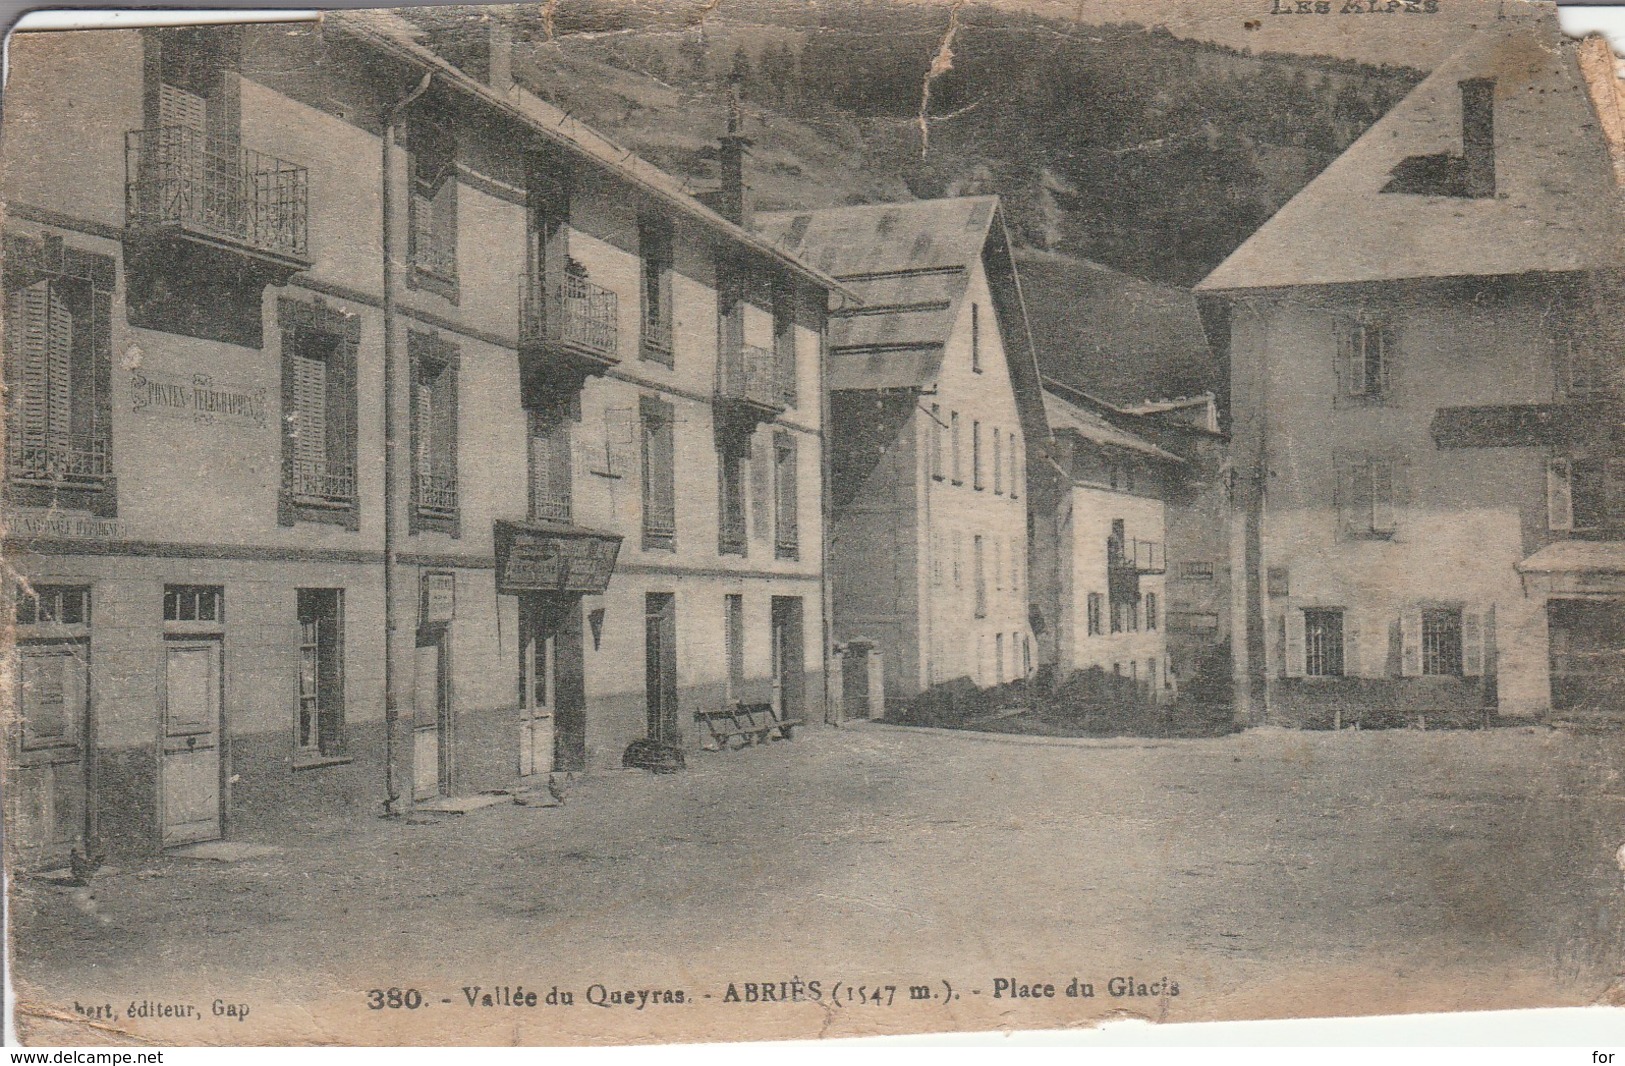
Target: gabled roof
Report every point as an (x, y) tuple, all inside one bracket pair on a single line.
[(1067, 417), (910, 265), (908, 262), (1555, 207), (391, 34)]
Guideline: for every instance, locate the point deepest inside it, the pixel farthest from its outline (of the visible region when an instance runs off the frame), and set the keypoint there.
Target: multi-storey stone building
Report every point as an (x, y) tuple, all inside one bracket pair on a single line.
[(378, 434)]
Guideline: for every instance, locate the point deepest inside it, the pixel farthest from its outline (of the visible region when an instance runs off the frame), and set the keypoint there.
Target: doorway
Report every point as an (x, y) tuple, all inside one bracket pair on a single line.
[(431, 715), (789, 654), (189, 773), (1587, 654), (52, 697), (660, 665), (552, 690)]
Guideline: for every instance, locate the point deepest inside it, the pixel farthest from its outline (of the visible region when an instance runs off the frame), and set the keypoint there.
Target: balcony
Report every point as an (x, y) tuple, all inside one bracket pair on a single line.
[(212, 192), (567, 333), (748, 391), (434, 494), (315, 482), (659, 525), (1143, 557), (78, 461)]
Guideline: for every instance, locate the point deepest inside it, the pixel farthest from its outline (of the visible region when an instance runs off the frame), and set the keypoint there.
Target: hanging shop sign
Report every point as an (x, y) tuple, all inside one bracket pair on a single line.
[(538, 558)]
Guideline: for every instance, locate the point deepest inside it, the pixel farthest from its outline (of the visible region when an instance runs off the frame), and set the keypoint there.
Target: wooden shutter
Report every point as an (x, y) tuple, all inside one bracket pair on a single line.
[(761, 485), (784, 340), (1015, 469), (786, 529), (1294, 644), (1353, 495), (1383, 509), (1472, 643), (59, 371), (1559, 494), (998, 463), (445, 427), (1383, 337), (1410, 643), (1350, 358), (1351, 644), (310, 426), (177, 107)]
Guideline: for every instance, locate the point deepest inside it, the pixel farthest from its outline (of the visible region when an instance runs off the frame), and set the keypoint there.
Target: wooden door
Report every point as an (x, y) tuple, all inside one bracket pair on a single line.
[(189, 775), (788, 656), (538, 685), (52, 698), (431, 748)]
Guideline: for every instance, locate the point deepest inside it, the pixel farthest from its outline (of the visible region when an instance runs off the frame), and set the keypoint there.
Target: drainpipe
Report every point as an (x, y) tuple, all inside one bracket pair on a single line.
[(394, 496), (833, 705)]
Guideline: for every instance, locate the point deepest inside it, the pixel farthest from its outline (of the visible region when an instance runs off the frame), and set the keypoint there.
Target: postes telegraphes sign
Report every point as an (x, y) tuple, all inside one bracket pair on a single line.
[(535, 558), (198, 398)]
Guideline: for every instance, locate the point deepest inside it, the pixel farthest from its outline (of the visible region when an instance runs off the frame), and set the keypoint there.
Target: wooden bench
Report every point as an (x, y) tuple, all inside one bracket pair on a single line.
[(745, 725)]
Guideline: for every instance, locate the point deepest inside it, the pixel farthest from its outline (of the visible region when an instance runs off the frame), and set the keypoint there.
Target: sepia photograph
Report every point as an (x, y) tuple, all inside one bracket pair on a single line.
[(613, 522)]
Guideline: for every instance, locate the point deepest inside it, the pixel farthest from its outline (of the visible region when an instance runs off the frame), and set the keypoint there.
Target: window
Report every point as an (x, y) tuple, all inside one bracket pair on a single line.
[(958, 562), (1585, 493), (998, 657), (655, 242), (1367, 501), (194, 603), (434, 433), (734, 638), (1196, 570), (953, 424), (978, 576), (433, 208), (976, 455), (318, 414), (63, 605), (936, 430), (998, 466), (784, 339), (551, 472), (731, 532), (1015, 565), (786, 534), (319, 718), (659, 475), (1015, 469), (1364, 354), (1323, 642), (976, 338), (998, 564), (1441, 641), (1151, 612), (58, 376), (1096, 603)]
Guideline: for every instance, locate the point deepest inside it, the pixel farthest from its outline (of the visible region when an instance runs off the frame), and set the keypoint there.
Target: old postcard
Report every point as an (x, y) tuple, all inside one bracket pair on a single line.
[(608, 522)]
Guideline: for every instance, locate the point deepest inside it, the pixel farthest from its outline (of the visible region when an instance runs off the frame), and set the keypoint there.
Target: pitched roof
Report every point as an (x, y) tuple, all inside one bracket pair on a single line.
[(1066, 416), (908, 262), (388, 32), (1555, 207)]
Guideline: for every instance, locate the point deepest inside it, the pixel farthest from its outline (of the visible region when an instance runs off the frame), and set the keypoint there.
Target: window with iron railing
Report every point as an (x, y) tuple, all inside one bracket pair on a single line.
[(58, 409), (655, 243), (434, 433), (786, 532), (1441, 641), (659, 475), (1323, 642), (551, 472), (319, 413)]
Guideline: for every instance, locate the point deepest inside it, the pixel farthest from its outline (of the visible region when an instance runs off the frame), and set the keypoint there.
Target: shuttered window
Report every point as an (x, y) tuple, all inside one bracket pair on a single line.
[(786, 531), (433, 211), (1364, 359), (655, 243), (57, 419), (177, 107), (1585, 493), (319, 347), (551, 471), (998, 465), (659, 475), (1367, 495), (434, 432), (784, 340)]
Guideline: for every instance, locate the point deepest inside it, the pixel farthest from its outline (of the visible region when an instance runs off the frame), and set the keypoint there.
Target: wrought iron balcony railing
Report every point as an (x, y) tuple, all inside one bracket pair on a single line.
[(1138, 556), (552, 506), (77, 459), (321, 482), (659, 524), (212, 186), (750, 374), (434, 493), (576, 312)]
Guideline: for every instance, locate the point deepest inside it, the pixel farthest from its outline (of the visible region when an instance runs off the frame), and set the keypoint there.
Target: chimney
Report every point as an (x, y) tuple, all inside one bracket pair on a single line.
[(732, 198), (1478, 135)]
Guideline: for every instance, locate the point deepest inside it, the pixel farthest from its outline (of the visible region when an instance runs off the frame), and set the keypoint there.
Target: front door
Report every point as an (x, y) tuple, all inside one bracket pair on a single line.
[(431, 714), (52, 679), (538, 685), (190, 772), (789, 677), (660, 665)]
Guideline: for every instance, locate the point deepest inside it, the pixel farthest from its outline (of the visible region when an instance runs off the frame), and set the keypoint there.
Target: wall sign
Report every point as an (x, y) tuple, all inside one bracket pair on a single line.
[(201, 399), (538, 559), (439, 598), (28, 522)]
